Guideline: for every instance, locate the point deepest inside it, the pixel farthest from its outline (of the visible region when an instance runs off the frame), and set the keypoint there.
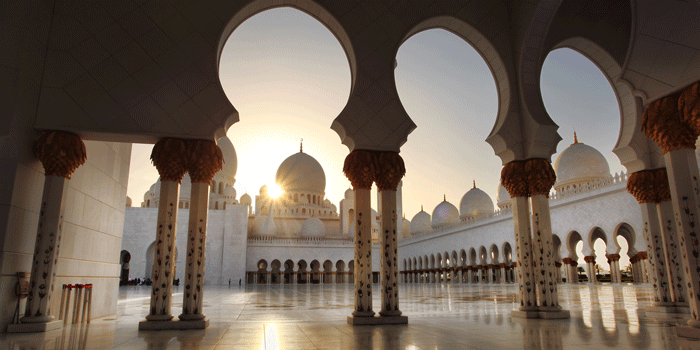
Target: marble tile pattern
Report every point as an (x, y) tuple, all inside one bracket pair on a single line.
[(442, 316)]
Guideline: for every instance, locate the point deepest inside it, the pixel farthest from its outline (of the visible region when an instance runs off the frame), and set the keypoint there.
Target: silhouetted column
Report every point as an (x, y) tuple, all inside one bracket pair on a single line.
[(590, 266), (673, 122), (359, 169), (205, 160), (170, 158), (60, 153), (389, 171)]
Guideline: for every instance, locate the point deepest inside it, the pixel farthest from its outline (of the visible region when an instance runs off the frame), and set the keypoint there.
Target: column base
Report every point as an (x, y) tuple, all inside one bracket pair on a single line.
[(377, 320), (173, 325), (34, 327), (558, 314), (688, 332)]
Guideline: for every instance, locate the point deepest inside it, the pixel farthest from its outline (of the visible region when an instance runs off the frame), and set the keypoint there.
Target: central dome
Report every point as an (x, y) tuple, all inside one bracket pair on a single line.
[(445, 213), (228, 172), (301, 172), (580, 163), (475, 202)]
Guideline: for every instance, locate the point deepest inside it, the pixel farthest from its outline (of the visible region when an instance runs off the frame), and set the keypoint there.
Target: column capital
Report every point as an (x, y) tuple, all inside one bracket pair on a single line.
[(689, 107), (169, 155), (389, 169), (557, 264), (589, 259), (530, 177), (662, 123), (514, 264), (566, 261), (359, 168), (649, 186), (614, 257), (540, 176), (514, 179), (204, 160), (60, 153)]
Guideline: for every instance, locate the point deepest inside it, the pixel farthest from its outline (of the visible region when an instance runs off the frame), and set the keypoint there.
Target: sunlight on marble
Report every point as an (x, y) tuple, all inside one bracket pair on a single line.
[(443, 316)]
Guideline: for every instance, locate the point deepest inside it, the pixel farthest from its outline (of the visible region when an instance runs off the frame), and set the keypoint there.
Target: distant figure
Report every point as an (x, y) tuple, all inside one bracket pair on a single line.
[(239, 281), (229, 282)]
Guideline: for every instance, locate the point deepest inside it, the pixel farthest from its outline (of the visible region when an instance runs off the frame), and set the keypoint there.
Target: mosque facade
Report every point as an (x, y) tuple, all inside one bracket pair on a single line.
[(301, 237)]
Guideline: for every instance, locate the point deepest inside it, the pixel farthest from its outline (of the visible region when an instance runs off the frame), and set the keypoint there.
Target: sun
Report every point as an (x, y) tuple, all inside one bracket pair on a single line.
[(274, 191)]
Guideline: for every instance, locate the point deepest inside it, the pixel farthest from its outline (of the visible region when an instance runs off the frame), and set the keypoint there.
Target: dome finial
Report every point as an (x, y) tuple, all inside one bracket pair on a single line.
[(301, 146), (444, 198), (474, 183), (575, 138), (421, 207)]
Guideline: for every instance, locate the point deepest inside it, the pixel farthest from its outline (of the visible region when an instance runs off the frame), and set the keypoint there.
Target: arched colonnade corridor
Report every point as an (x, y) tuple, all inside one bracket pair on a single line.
[(658, 100)]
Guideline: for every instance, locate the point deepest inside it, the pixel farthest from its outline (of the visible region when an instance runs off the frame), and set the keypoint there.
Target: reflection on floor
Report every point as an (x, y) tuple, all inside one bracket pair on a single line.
[(440, 317)]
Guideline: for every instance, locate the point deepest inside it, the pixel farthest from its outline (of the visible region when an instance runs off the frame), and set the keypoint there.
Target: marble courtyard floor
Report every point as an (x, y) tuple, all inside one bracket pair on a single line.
[(440, 317)]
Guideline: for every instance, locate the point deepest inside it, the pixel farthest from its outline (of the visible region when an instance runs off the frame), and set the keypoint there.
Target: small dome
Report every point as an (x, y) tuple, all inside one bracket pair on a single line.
[(128, 201), (445, 213), (349, 194), (580, 163), (334, 208), (503, 198), (263, 191), (420, 222), (326, 203), (313, 227), (228, 172), (245, 199), (301, 172), (230, 192), (406, 228), (474, 203), (263, 226)]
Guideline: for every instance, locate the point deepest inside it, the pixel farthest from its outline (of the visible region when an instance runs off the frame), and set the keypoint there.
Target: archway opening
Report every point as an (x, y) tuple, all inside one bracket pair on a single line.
[(443, 81)]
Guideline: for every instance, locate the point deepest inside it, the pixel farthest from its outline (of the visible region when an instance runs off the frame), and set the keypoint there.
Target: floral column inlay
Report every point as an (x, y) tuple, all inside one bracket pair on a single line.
[(204, 161), (514, 179), (60, 153), (359, 169), (170, 158), (389, 169)]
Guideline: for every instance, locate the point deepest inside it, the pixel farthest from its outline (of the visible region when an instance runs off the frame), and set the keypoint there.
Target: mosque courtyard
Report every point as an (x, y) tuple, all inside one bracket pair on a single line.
[(441, 316)]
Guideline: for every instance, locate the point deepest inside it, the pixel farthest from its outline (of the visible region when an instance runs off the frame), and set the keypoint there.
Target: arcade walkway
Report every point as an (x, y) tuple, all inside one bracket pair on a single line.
[(440, 317)]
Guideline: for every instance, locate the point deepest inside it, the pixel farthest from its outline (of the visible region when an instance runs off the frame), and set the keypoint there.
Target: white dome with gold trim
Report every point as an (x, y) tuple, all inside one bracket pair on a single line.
[(578, 164)]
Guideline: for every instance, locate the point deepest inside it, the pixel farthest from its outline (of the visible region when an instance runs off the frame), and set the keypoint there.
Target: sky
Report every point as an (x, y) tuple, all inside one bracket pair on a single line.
[(289, 78)]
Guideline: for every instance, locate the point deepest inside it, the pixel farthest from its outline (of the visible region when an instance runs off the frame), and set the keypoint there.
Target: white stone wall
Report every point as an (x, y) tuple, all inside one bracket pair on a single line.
[(225, 248), (606, 208)]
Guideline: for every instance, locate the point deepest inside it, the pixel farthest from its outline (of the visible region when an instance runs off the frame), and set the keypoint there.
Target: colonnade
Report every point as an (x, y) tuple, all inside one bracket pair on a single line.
[(480, 274)]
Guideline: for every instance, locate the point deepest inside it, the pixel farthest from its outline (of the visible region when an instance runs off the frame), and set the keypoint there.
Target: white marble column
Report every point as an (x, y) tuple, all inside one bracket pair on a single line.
[(363, 253), (164, 257), (674, 262), (653, 235), (170, 158), (388, 258), (503, 278), (590, 267), (48, 239), (196, 253), (523, 249), (543, 250), (61, 154)]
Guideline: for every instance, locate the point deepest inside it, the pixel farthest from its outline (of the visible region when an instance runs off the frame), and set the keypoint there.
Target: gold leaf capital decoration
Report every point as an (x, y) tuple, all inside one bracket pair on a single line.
[(169, 155), (60, 153), (514, 179), (649, 186), (662, 123), (205, 160), (389, 170), (359, 168), (540, 176), (689, 107)]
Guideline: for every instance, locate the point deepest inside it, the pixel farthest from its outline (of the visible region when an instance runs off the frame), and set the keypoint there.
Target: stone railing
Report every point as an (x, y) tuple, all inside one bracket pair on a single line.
[(300, 240)]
